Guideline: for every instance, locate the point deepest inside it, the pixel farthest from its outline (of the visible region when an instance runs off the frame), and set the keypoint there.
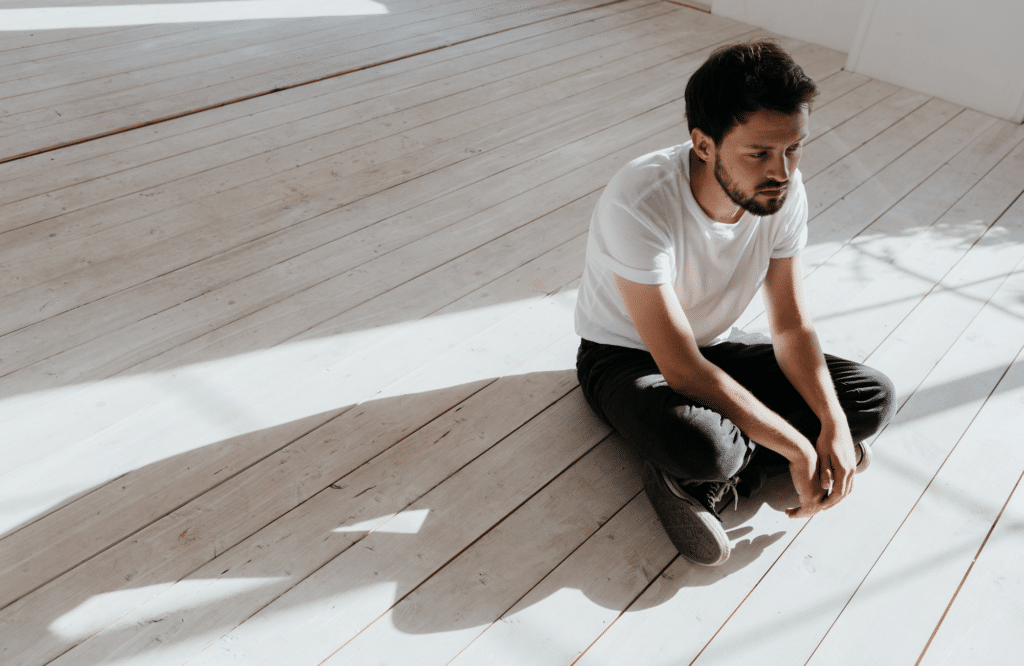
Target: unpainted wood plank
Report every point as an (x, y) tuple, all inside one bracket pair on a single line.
[(288, 107), (306, 98), (167, 47), (905, 594), (249, 220), (88, 523), (567, 610), (301, 142), (232, 59), (896, 274), (981, 626), (356, 340), (859, 166), (39, 59), (18, 349), (939, 539), (387, 484), (674, 617), (326, 293), (862, 95), (820, 62), (702, 5), (873, 195), (34, 42), (902, 255), (463, 508), (279, 39), (964, 289), (100, 115), (372, 178), (438, 619), (60, 234), (139, 404), (143, 103), (170, 44), (839, 142), (321, 301), (833, 87), (244, 331)]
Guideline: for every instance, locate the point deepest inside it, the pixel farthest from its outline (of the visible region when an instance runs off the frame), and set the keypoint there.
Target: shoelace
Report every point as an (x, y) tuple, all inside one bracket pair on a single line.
[(716, 495), (716, 490)]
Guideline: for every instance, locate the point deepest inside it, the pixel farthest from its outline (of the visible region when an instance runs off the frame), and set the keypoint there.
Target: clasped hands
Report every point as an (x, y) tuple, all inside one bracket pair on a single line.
[(823, 476)]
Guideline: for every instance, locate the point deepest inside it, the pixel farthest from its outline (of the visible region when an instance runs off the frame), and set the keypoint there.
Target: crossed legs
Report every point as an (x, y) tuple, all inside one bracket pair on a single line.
[(691, 442)]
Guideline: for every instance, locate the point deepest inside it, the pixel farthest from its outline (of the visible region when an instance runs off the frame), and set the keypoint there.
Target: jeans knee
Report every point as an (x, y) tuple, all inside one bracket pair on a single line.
[(704, 446), (875, 404)]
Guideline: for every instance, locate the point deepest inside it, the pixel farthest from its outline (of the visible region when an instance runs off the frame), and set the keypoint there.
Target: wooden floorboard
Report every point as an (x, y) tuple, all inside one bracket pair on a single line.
[(118, 143), (45, 119), (290, 380)]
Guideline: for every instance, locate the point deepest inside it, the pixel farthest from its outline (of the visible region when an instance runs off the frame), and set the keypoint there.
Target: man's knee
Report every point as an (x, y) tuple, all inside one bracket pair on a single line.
[(699, 444), (872, 403)]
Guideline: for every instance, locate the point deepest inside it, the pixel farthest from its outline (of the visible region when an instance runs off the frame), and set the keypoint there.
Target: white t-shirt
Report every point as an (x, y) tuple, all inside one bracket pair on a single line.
[(647, 227)]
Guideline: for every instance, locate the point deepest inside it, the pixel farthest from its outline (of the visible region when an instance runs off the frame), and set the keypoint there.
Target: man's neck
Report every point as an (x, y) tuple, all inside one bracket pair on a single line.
[(710, 196)]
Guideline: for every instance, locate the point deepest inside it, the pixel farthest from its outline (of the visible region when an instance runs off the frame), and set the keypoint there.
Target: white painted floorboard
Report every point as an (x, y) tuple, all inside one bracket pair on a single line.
[(290, 379)]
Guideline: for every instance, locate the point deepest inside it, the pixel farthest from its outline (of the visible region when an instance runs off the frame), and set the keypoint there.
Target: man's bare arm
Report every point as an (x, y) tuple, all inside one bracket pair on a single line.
[(662, 325), (800, 357)]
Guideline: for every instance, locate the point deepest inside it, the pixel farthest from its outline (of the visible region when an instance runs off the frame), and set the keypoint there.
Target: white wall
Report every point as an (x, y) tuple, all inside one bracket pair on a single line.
[(970, 53), (831, 23)]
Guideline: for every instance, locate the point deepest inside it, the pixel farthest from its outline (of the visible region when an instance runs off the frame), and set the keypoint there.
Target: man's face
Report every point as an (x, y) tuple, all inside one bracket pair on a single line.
[(756, 159)]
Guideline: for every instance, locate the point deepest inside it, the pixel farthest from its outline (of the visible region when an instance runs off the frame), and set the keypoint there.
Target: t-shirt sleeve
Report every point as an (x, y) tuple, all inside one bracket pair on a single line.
[(791, 236), (631, 240)]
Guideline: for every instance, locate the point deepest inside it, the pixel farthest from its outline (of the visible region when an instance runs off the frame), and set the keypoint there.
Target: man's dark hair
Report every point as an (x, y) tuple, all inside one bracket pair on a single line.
[(741, 79)]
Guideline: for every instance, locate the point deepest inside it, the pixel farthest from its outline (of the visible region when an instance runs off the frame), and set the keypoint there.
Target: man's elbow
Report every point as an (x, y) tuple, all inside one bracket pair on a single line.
[(690, 381), (797, 332)]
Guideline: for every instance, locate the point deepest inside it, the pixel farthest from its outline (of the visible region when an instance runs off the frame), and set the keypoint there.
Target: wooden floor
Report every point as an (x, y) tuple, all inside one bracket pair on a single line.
[(286, 371)]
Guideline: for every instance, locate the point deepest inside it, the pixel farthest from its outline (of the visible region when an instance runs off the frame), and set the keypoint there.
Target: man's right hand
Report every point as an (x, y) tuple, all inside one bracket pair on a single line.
[(804, 470)]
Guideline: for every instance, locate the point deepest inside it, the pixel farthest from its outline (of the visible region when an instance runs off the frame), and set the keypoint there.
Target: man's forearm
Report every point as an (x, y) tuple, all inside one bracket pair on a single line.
[(801, 360), (716, 390)]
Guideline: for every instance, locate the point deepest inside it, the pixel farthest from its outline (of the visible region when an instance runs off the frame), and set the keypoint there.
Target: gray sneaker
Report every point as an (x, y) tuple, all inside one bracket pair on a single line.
[(863, 456), (687, 511)]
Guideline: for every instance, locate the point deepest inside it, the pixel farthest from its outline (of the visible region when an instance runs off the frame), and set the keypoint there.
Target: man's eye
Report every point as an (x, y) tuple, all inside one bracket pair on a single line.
[(759, 155), (795, 148)]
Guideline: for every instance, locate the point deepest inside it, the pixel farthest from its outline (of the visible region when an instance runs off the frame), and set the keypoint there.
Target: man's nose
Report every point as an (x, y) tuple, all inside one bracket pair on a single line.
[(778, 169)]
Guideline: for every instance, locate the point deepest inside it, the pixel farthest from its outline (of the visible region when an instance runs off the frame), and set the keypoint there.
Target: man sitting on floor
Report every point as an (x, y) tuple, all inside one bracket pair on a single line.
[(680, 241)]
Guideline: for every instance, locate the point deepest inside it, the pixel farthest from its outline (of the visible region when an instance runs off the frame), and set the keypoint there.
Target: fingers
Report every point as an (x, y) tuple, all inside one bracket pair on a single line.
[(811, 503), (826, 478), (833, 499), (840, 490), (805, 510)]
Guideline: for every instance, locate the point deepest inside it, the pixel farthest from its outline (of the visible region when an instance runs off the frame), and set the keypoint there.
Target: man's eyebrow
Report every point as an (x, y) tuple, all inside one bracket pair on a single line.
[(760, 147)]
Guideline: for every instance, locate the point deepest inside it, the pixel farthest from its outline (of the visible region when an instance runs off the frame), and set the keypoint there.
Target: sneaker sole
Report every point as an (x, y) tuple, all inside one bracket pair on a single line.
[(865, 458), (695, 532)]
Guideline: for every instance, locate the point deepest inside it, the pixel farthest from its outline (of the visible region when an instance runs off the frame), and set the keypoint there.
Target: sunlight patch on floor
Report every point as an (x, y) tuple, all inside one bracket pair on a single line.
[(86, 618), (96, 427), (404, 522), (62, 18)]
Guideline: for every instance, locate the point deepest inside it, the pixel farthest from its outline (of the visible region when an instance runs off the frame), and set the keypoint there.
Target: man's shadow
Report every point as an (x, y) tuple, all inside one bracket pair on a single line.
[(45, 625)]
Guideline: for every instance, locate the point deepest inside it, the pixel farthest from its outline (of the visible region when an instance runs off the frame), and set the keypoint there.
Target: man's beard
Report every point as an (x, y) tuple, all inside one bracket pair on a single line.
[(749, 204)]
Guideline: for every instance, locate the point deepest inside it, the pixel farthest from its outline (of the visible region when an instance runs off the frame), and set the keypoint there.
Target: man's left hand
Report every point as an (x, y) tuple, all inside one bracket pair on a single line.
[(837, 461)]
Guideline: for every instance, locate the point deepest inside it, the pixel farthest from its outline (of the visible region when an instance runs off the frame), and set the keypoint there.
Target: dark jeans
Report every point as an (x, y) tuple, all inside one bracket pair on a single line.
[(691, 442)]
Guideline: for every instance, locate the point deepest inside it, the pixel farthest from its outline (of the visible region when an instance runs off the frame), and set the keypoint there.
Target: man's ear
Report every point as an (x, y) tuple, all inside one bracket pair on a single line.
[(703, 146)]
